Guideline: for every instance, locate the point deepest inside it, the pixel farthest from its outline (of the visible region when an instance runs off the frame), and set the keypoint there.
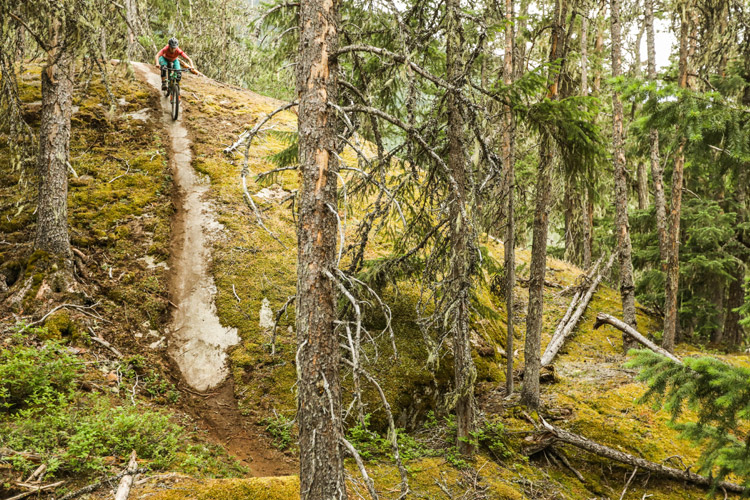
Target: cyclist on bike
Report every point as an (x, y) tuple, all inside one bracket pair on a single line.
[(168, 57)]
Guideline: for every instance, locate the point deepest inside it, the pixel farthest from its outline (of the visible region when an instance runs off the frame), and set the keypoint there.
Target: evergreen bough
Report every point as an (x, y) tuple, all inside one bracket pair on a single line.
[(720, 395)]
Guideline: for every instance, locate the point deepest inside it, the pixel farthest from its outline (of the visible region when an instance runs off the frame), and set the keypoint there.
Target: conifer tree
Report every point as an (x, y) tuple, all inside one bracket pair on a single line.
[(627, 289), (318, 386)]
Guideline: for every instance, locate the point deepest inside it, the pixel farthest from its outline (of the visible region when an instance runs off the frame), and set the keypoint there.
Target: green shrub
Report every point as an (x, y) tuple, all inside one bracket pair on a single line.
[(80, 433), (33, 375), (280, 428)]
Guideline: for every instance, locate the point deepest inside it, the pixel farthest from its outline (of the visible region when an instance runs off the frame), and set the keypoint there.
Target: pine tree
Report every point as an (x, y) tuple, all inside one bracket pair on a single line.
[(717, 392), (318, 385)]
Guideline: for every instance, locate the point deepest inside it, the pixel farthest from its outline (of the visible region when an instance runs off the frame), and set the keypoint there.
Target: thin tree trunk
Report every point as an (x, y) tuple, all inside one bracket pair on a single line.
[(462, 258), (588, 205), (318, 386), (54, 146), (733, 331), (657, 172), (509, 165), (538, 266), (671, 317), (627, 289)]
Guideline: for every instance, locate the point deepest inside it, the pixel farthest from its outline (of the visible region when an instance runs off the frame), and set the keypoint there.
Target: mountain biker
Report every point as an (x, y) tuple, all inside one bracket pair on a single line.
[(168, 57)]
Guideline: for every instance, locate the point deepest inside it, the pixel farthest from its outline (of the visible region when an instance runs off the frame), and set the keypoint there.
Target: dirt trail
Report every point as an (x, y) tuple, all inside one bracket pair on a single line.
[(197, 340)]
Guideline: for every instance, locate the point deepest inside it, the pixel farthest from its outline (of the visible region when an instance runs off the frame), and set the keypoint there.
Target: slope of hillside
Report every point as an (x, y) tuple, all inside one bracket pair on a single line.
[(120, 209)]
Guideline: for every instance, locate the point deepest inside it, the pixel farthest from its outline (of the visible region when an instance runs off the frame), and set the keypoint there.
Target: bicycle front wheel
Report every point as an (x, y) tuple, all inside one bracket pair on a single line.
[(175, 101)]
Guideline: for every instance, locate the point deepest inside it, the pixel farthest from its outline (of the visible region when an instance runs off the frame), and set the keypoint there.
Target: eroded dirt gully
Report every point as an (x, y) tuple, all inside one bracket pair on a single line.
[(198, 342)]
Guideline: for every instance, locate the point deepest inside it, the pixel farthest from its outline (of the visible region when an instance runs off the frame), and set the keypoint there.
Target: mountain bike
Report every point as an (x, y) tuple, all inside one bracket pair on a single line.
[(173, 89)]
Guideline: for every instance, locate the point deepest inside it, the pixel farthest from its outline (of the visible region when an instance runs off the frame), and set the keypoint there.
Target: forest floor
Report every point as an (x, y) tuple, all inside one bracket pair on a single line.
[(158, 213)]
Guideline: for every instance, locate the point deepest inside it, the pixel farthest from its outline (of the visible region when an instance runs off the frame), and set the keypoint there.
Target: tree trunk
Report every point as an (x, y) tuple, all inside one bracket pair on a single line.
[(587, 223), (461, 232), (671, 317), (733, 331), (538, 266), (318, 386), (627, 289), (657, 172), (54, 146), (625, 458), (509, 165)]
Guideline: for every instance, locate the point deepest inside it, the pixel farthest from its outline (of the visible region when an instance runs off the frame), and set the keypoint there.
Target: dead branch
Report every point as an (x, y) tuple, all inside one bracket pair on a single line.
[(248, 135), (34, 489), (123, 490), (96, 338), (630, 479), (625, 458), (562, 333), (392, 435), (362, 470), (95, 486), (276, 322), (37, 474), (602, 318), (72, 306)]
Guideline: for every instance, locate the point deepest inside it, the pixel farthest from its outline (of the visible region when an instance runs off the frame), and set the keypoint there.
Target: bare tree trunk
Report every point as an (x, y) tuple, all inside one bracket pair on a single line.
[(462, 258), (733, 331), (657, 171), (54, 145), (509, 165), (588, 205), (671, 317), (627, 289), (318, 386), (538, 266)]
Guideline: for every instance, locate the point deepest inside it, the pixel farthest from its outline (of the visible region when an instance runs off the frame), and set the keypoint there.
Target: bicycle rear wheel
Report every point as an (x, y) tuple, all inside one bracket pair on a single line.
[(176, 101)]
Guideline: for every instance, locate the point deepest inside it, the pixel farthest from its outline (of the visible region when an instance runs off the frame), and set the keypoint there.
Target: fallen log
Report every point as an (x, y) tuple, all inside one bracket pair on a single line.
[(625, 458), (602, 319), (558, 339), (123, 490)]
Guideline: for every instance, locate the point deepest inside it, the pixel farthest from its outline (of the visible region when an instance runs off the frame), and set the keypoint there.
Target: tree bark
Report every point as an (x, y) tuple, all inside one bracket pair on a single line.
[(123, 490), (627, 288), (318, 385), (733, 331), (461, 235), (671, 317), (54, 145), (588, 226), (509, 165), (657, 171), (538, 266)]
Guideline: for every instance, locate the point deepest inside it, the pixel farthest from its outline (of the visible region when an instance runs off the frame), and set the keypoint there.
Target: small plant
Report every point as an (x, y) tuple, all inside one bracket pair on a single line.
[(368, 443), (30, 375), (280, 428), (492, 436)]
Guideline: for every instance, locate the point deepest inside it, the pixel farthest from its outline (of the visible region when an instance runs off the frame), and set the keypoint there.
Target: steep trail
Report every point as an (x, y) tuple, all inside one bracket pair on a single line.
[(198, 342)]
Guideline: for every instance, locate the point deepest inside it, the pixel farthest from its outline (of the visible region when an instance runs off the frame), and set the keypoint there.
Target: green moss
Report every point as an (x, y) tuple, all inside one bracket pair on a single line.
[(60, 325), (261, 488)]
